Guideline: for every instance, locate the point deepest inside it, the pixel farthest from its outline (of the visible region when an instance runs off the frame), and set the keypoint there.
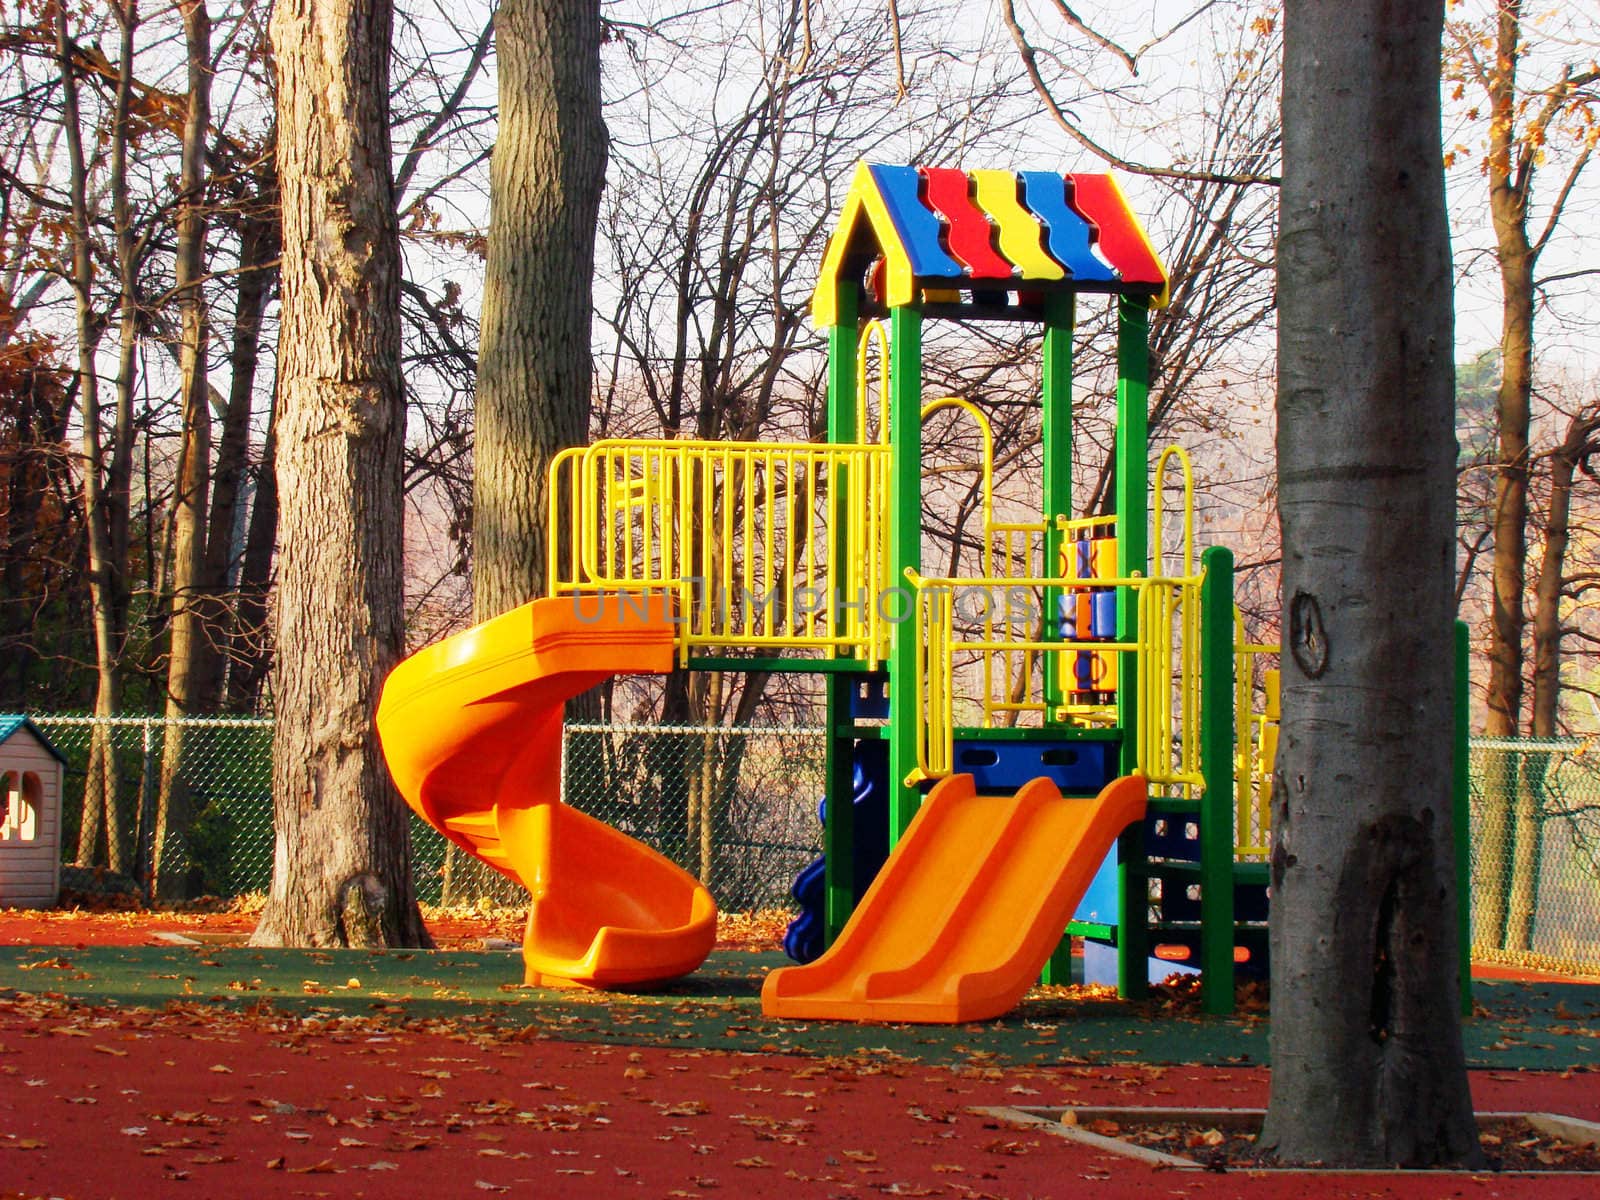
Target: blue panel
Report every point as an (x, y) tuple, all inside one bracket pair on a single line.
[(1066, 233), (916, 224), (1103, 620), (869, 698), (1099, 903), (1078, 768)]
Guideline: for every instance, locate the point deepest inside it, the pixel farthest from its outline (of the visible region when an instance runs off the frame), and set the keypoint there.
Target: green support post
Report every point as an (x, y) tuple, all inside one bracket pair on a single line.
[(1461, 811), (1133, 557), (838, 830), (905, 550), (1216, 765), (1056, 432)]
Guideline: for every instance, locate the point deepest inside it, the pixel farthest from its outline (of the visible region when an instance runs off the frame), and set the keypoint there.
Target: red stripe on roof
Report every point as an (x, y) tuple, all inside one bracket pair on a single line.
[(1096, 199), (969, 234)]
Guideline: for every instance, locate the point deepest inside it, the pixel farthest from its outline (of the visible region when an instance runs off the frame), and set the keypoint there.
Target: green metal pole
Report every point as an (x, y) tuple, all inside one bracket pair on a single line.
[(905, 550), (1461, 812), (838, 830), (1216, 765), (1133, 557), (1056, 431)]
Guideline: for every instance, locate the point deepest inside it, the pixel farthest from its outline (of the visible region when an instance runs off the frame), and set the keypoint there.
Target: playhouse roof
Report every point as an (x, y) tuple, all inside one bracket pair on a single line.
[(942, 231), (11, 722)]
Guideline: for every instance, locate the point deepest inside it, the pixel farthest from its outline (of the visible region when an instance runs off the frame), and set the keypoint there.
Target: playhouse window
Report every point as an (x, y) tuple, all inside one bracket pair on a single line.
[(19, 819)]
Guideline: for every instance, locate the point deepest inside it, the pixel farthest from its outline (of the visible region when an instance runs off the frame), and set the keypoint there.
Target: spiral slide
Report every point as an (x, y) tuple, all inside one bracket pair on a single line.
[(471, 729), (966, 910)]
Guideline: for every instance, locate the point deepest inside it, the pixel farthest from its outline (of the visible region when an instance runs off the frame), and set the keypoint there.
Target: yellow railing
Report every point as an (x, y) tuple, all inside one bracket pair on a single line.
[(736, 531), (999, 620), (1255, 744), (1165, 666)]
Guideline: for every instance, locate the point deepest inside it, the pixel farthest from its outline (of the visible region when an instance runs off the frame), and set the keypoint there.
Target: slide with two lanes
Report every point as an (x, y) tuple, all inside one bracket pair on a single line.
[(967, 909), (471, 730)]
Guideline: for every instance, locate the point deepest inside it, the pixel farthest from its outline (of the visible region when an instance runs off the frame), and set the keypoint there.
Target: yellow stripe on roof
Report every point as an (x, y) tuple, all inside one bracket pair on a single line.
[(1021, 236)]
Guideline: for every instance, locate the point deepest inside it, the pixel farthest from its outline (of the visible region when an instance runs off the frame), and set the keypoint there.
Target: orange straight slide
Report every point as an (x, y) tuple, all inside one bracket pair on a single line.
[(471, 729), (966, 910)]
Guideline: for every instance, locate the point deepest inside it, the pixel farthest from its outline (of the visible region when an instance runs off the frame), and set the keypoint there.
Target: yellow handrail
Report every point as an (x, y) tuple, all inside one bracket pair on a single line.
[(873, 330), (1255, 745), (737, 531)]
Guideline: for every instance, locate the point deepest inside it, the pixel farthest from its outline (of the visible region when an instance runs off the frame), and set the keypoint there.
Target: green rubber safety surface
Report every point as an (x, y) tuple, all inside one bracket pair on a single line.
[(1538, 1026)]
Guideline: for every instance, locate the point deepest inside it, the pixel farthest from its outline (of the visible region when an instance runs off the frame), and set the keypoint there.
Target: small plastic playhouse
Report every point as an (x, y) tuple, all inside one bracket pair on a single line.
[(30, 815)]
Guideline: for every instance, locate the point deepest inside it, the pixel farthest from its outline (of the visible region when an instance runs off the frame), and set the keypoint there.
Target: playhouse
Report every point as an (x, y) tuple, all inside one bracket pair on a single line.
[(1081, 752), (30, 815)]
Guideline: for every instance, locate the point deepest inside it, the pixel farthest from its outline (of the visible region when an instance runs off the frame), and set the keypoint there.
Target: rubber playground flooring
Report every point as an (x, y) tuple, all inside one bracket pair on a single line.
[(1515, 1025)]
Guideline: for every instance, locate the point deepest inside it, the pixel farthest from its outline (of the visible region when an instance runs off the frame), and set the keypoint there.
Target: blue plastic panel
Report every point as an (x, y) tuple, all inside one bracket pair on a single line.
[(1077, 768)]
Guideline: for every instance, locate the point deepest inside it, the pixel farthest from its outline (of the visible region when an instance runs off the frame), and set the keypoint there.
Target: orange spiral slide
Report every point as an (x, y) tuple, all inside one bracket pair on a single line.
[(471, 729)]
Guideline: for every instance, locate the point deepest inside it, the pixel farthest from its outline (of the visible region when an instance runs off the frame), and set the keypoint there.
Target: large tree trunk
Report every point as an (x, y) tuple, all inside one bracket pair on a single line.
[(1367, 1060), (189, 660), (342, 866), (534, 361)]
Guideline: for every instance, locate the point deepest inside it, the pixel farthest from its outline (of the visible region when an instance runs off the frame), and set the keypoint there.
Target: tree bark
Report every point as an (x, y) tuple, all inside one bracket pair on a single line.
[(534, 364), (190, 654), (534, 360), (342, 866), (1367, 1060)]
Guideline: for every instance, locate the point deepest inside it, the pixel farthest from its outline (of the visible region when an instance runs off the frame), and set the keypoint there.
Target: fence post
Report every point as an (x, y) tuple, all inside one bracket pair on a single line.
[(144, 824)]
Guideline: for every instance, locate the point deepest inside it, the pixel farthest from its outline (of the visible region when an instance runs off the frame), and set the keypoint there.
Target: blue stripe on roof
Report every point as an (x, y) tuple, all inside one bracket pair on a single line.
[(917, 225), (1066, 233)]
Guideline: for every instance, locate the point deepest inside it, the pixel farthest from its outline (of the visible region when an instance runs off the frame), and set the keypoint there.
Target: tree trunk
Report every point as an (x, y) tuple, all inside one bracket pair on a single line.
[(1548, 592), (101, 834), (190, 656), (250, 644), (342, 865), (258, 250), (1367, 1060), (1513, 408), (534, 360), (534, 366)]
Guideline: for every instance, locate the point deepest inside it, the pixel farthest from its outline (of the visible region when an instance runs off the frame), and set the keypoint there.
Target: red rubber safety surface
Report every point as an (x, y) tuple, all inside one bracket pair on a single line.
[(100, 1103)]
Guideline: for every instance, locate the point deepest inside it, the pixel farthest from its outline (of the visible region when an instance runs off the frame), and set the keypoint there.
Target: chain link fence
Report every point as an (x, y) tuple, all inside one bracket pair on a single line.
[(737, 808), (1536, 853)]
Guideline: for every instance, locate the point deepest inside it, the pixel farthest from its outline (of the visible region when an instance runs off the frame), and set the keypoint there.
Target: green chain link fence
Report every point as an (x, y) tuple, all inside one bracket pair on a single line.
[(738, 808), (1536, 853)]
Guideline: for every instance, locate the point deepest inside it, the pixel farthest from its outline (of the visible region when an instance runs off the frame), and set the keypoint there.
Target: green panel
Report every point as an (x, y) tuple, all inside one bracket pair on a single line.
[(1056, 432), (1461, 812), (905, 550), (838, 830), (1132, 474), (1216, 764)]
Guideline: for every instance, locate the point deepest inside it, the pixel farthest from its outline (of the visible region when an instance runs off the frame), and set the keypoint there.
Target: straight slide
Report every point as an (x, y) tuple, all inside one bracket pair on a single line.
[(471, 729), (966, 910)]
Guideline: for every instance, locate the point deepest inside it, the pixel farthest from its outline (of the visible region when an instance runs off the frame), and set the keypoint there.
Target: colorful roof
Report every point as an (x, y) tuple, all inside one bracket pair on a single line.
[(941, 231), (11, 722)]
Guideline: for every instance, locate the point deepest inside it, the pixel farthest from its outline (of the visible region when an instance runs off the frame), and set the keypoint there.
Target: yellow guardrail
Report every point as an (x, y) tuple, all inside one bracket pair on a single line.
[(1255, 744), (1163, 665), (736, 531)]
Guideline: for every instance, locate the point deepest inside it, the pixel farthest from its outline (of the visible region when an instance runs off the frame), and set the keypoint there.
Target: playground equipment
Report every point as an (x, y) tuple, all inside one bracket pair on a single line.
[(1104, 718)]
